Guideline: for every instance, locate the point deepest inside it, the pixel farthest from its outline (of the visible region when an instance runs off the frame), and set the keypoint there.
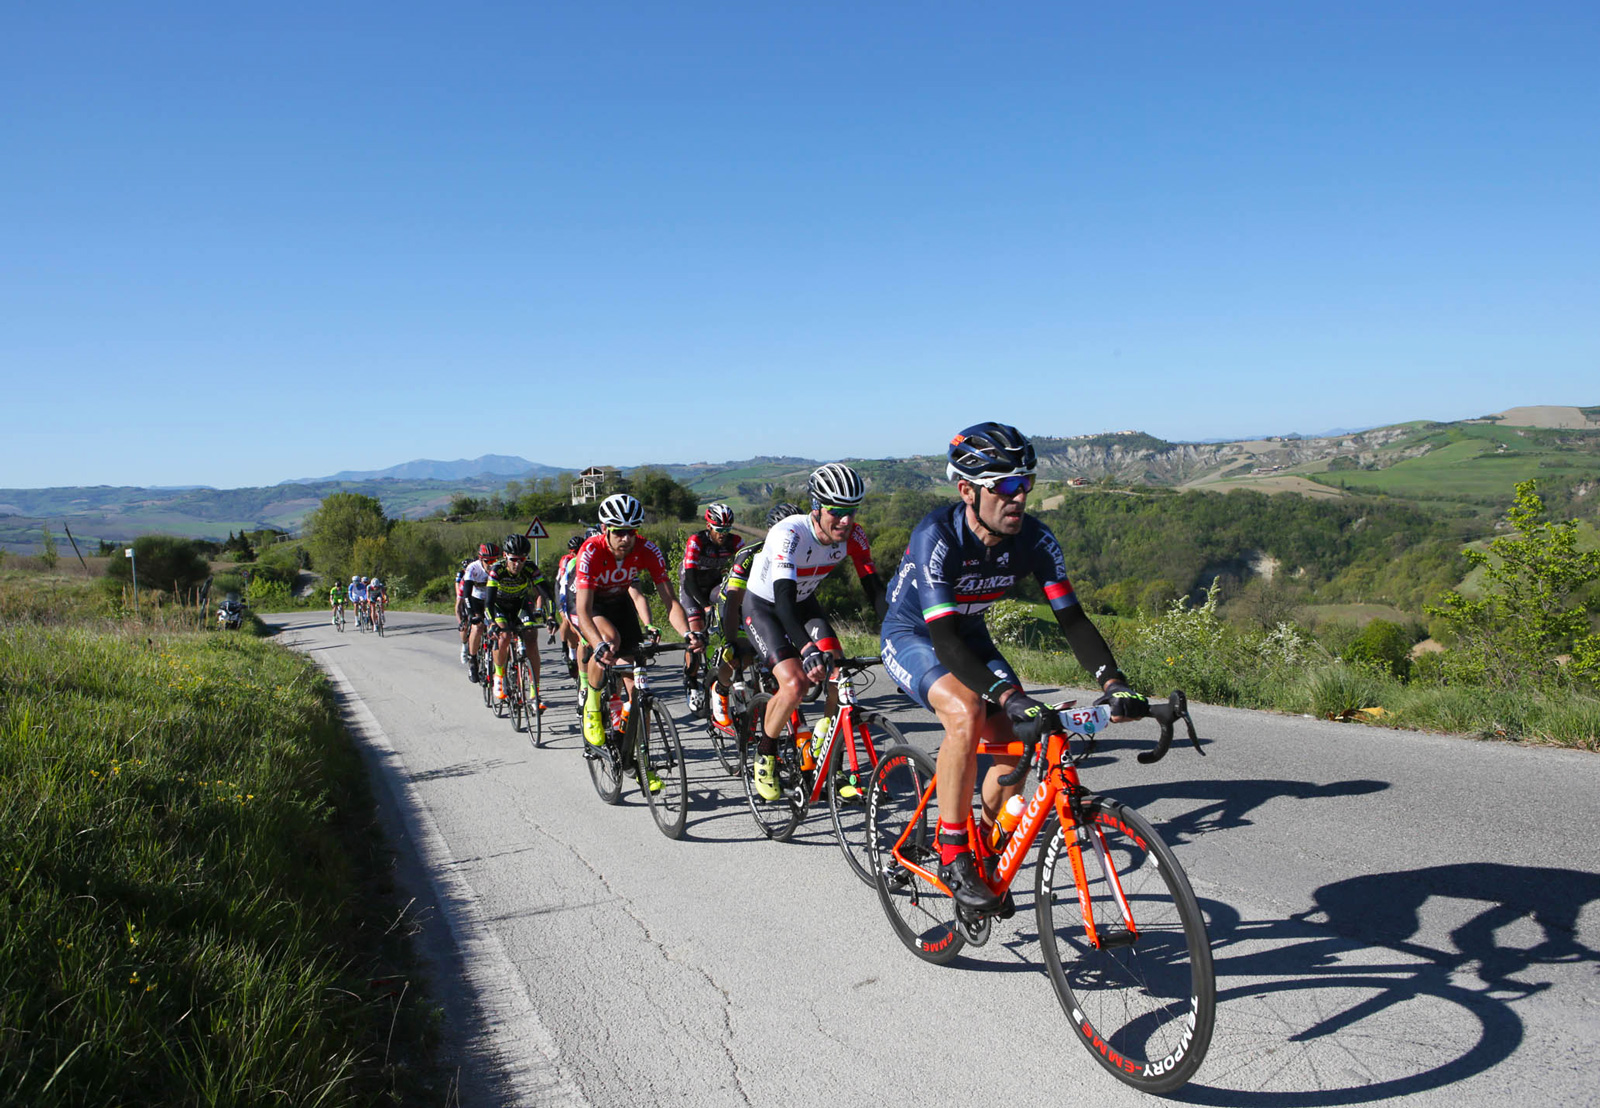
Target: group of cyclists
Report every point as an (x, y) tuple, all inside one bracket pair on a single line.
[(961, 558), (367, 597)]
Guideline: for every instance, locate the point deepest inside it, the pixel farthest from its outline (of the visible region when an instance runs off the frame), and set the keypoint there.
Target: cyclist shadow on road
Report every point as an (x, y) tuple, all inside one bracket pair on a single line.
[(1224, 805), (1344, 1003)]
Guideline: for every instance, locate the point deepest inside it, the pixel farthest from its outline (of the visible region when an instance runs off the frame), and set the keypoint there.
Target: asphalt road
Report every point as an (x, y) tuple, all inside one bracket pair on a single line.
[(1393, 915)]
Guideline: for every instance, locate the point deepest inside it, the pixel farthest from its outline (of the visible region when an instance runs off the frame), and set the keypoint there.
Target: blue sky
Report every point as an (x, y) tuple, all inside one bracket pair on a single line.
[(242, 244)]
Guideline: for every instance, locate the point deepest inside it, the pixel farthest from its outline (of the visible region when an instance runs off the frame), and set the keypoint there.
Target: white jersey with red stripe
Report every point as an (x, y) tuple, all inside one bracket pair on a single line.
[(793, 552)]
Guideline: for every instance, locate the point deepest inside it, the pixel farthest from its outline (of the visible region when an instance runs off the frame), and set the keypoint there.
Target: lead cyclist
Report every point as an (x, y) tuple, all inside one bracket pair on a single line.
[(960, 560)]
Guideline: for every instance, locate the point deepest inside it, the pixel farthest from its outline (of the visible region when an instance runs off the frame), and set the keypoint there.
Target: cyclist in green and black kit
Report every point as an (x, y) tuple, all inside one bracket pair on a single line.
[(336, 602), (516, 588)]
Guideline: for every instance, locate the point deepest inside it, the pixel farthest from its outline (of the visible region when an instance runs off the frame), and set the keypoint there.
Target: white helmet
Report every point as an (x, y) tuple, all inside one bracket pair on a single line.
[(621, 510), (355, 579), (836, 483)]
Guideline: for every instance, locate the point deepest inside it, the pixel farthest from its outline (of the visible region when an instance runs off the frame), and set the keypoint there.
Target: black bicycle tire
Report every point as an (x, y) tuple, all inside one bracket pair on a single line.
[(777, 819), (891, 803), (515, 694), (1183, 1015), (657, 747), (538, 715), (726, 746), (850, 817)]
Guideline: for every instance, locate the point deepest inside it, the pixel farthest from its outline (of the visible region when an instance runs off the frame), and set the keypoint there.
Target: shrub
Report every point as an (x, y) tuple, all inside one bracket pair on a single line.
[(440, 588), (1383, 644), (164, 562)]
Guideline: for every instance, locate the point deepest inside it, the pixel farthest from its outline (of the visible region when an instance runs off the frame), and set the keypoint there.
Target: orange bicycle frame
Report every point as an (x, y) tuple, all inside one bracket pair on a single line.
[(1051, 792)]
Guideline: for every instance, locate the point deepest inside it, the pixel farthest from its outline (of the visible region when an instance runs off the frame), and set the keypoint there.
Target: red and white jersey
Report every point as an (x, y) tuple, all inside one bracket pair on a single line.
[(598, 568), (793, 552)]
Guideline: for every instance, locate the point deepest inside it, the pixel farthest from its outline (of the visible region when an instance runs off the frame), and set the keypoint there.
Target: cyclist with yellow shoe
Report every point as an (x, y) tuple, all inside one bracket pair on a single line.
[(607, 565)]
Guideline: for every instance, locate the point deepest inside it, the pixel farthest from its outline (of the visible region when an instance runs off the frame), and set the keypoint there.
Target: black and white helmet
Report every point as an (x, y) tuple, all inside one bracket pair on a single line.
[(780, 513), (719, 515), (516, 546), (836, 483), (621, 510), (987, 450)]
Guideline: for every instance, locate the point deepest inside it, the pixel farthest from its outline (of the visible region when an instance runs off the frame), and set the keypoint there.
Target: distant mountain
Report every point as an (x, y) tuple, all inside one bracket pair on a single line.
[(426, 469)]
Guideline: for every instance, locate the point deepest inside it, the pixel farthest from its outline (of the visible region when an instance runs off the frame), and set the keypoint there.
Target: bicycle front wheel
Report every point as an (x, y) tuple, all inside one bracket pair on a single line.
[(922, 914), (1142, 1000), (776, 818), (847, 786), (517, 694), (660, 752)]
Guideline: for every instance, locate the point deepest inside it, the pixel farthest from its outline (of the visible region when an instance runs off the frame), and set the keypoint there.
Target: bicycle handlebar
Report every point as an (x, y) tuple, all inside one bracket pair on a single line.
[(1166, 716), (643, 653)]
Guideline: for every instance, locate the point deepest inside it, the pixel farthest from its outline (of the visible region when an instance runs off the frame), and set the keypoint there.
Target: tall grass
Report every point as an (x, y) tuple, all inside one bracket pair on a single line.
[(189, 915)]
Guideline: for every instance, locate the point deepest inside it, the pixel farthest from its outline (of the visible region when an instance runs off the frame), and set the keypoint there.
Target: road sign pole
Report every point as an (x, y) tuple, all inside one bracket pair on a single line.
[(133, 565)]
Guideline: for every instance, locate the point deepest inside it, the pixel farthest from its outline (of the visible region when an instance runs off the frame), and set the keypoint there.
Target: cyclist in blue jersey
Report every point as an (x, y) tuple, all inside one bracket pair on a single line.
[(961, 559)]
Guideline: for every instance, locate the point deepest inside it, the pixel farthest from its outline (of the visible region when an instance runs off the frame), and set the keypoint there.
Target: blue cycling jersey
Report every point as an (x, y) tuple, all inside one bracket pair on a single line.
[(358, 592), (948, 572)]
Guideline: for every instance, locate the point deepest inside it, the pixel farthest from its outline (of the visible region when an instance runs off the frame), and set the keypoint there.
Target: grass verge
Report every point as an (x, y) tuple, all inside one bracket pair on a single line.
[(1279, 672), (194, 908)]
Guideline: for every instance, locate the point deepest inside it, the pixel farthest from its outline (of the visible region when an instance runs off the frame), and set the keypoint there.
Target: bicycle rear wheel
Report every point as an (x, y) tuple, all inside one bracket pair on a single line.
[(729, 748), (659, 750), (605, 769), (850, 812), (776, 818), (923, 915), (1142, 1004)]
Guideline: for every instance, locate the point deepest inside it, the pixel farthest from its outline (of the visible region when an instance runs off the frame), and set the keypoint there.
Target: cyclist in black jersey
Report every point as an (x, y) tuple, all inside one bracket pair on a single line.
[(516, 588), (706, 557)]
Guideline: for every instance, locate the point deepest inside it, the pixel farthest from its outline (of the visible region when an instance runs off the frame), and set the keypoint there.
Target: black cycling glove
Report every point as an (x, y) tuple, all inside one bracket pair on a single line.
[(1125, 703), (1030, 719), (816, 662)]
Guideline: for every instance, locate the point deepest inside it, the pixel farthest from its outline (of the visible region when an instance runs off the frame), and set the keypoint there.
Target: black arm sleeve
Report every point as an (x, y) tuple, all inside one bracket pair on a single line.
[(1087, 646), (694, 588), (955, 656), (872, 585), (785, 603)]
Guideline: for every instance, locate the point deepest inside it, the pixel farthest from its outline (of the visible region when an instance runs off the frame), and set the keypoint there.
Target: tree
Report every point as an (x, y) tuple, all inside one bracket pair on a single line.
[(334, 526), (47, 552), (1531, 610)]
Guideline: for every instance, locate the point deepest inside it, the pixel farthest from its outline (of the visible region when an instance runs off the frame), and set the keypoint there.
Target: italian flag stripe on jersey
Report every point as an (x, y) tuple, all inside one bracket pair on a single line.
[(938, 611)]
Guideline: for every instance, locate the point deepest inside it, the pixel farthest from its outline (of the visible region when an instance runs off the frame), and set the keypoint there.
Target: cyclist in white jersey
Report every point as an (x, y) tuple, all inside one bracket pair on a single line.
[(475, 590), (787, 627)]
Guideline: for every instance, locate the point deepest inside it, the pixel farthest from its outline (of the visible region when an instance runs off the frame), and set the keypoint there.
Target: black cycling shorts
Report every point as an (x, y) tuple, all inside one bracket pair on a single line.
[(622, 615), (517, 619), (772, 643)]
